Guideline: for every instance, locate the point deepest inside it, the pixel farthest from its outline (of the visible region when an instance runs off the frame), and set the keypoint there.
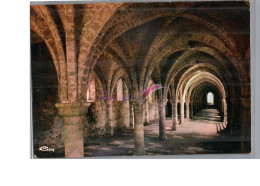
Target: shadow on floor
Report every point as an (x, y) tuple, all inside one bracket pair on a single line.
[(197, 136)]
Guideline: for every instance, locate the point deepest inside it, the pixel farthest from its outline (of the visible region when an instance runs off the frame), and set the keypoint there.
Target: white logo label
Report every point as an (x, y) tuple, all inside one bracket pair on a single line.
[(45, 148)]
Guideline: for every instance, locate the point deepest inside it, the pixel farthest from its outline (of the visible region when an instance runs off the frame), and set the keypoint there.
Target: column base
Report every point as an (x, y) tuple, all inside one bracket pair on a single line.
[(162, 138), (174, 128), (131, 126), (139, 152), (110, 128)]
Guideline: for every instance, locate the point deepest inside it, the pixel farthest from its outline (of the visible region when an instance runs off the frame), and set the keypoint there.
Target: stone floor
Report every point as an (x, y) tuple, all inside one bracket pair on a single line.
[(197, 136)]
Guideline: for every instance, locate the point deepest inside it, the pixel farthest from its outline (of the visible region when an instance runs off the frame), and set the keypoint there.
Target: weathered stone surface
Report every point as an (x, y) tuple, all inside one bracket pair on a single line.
[(73, 114), (87, 53), (54, 138)]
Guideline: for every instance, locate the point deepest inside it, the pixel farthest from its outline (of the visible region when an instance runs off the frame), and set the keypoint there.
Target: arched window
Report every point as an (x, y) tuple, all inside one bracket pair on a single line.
[(210, 98), (91, 92), (119, 89)]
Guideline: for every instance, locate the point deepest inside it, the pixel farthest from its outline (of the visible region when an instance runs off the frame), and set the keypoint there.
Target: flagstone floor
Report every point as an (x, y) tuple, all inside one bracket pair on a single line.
[(197, 136)]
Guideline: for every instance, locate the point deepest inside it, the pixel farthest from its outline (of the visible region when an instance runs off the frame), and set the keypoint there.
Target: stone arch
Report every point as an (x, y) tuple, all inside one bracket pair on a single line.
[(193, 68), (199, 81), (98, 48), (44, 26), (211, 24)]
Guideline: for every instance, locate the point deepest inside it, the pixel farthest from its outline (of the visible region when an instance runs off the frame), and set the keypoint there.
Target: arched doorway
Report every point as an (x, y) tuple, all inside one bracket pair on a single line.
[(210, 98)]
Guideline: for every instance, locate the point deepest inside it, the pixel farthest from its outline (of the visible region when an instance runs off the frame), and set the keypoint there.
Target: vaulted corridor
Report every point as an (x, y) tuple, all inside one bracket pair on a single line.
[(111, 79), (210, 115), (197, 136)]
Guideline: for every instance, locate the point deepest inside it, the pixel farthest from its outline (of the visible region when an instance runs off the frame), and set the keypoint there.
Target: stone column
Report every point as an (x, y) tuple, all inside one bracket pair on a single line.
[(125, 107), (187, 110), (224, 110), (131, 115), (174, 114), (146, 112), (182, 112), (110, 118), (155, 111), (73, 114), (139, 127), (162, 130), (191, 109)]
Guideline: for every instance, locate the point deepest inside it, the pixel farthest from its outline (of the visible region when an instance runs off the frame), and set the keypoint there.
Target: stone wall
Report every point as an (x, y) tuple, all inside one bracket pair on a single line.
[(48, 127), (96, 116)]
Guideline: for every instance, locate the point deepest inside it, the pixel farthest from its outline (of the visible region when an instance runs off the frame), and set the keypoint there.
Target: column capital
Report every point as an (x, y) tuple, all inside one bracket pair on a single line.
[(137, 101), (173, 101), (162, 101), (145, 100), (72, 109), (109, 101)]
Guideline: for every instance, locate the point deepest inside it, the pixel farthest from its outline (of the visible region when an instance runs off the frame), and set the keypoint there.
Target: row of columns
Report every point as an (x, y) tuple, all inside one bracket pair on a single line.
[(73, 114)]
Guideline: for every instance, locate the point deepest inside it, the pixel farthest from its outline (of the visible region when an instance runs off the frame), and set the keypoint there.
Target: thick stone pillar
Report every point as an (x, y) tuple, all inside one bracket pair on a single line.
[(174, 114), (125, 107), (155, 111), (73, 114), (138, 127), (187, 110), (125, 113), (146, 112), (131, 115), (162, 129), (110, 118)]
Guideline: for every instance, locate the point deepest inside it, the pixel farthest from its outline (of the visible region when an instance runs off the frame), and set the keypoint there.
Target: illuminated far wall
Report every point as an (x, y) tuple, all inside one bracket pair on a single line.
[(210, 98)]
